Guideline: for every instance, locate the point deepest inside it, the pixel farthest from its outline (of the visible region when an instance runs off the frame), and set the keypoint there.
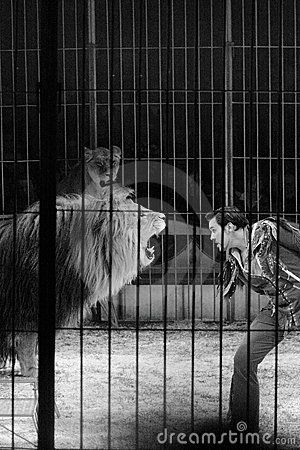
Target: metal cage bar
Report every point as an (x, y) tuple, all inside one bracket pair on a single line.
[(47, 236), (158, 93)]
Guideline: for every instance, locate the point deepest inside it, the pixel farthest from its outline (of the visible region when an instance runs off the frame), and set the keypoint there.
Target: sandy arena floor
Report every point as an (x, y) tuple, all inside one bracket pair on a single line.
[(95, 386)]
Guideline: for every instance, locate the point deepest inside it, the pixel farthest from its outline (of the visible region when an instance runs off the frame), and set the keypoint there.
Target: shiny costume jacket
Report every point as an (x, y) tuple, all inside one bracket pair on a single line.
[(277, 276)]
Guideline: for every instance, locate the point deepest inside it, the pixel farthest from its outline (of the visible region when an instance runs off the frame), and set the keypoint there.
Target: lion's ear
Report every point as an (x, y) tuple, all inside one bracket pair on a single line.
[(88, 154)]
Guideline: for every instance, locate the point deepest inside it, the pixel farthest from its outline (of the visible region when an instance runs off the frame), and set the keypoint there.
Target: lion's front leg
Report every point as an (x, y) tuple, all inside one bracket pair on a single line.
[(2, 363), (26, 350)]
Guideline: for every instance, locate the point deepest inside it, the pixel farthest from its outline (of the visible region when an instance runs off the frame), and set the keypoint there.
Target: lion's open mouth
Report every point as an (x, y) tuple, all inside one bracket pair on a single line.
[(150, 247), (149, 252)]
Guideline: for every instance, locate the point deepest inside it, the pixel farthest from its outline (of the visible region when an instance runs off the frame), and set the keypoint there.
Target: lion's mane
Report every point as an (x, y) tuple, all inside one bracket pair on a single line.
[(88, 229)]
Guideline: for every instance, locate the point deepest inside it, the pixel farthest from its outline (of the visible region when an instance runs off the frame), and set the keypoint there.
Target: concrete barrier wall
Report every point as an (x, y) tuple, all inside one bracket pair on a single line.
[(176, 302)]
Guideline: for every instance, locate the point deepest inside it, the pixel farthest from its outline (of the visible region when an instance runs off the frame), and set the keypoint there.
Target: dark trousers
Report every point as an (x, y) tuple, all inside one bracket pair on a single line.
[(244, 393)]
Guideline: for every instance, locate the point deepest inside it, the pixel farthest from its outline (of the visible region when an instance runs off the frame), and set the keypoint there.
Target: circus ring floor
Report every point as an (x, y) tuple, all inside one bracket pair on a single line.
[(93, 434)]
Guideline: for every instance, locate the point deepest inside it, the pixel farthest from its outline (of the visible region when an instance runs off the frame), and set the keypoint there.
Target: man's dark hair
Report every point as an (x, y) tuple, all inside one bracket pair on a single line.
[(228, 214)]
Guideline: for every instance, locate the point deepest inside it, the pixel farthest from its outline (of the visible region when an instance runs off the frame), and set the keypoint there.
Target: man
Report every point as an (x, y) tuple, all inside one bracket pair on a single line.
[(252, 258)]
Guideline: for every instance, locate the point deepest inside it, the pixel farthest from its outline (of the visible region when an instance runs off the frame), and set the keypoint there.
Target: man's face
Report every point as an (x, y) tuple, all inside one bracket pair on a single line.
[(216, 234)]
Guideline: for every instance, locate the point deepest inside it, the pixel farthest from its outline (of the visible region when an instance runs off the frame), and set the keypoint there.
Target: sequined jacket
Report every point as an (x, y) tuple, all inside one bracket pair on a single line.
[(278, 277)]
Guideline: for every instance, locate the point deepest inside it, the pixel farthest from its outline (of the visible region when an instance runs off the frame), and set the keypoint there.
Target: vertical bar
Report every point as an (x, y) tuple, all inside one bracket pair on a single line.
[(77, 78), (111, 46), (160, 130), (295, 108), (230, 306), (109, 64), (167, 159), (64, 86), (107, 3), (38, 45), (134, 91), (279, 157), (186, 111), (281, 87), (122, 111), (174, 159), (1, 127), (244, 130), (256, 179), (15, 53), (228, 107), (198, 165), (160, 75), (121, 85), (194, 217), (252, 135), (137, 157), (212, 100), (244, 106), (213, 159), (223, 198), (26, 103), (122, 168), (147, 119), (148, 137), (83, 223), (63, 12), (270, 107), (92, 73), (46, 331)]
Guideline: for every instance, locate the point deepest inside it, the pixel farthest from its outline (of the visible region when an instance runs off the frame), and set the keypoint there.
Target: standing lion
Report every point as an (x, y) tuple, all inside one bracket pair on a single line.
[(114, 228), (100, 167)]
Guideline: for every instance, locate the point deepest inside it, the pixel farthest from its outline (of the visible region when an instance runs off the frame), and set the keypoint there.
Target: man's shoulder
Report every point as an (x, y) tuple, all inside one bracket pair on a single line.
[(288, 234), (268, 222), (263, 229)]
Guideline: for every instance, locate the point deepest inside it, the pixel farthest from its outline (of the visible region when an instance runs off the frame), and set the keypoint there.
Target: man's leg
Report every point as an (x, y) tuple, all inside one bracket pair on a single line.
[(244, 394)]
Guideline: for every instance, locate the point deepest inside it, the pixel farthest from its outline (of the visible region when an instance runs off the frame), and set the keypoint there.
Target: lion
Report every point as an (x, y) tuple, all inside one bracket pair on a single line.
[(111, 239), (98, 165), (97, 169)]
